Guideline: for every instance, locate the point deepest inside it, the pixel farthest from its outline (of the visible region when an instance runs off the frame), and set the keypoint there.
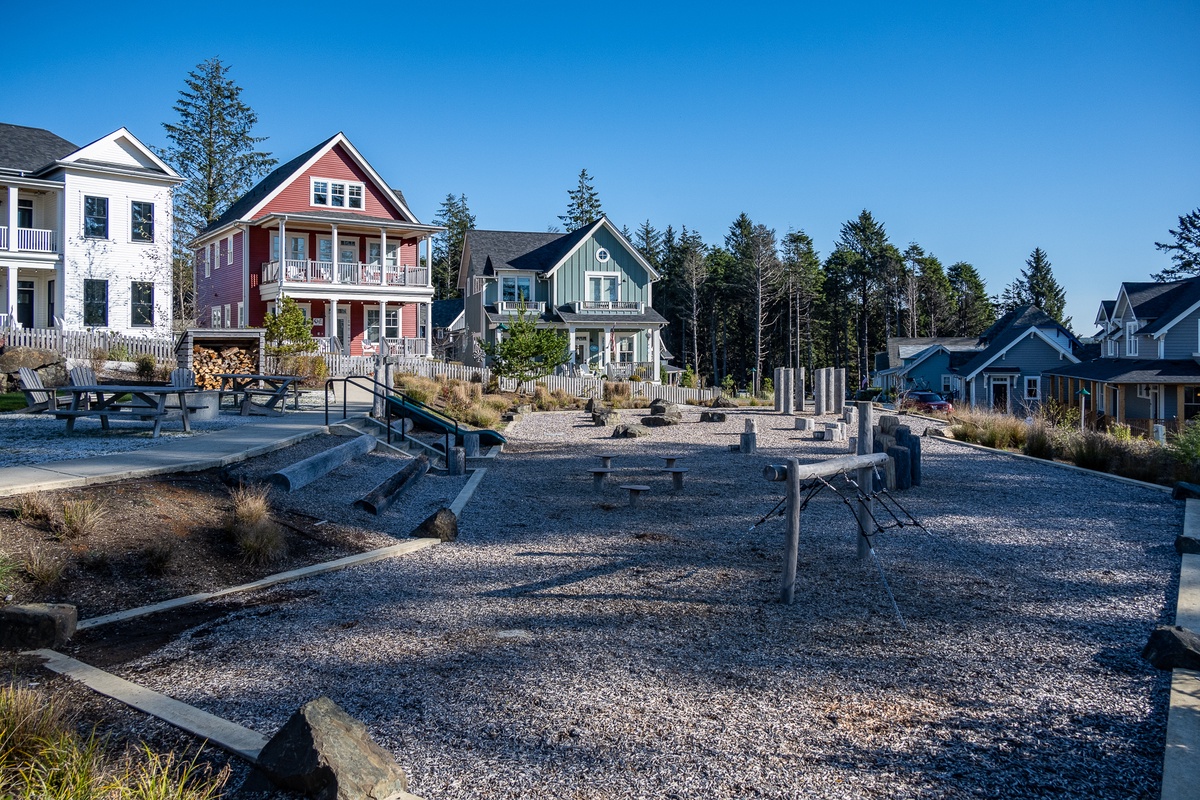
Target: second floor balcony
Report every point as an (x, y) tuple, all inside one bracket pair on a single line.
[(344, 273), (515, 306), (30, 240), (608, 307)]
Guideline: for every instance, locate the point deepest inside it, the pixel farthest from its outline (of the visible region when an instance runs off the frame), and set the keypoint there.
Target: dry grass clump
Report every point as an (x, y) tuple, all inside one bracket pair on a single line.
[(259, 538), (42, 570), (497, 402), (618, 393), (156, 558), (9, 567), (81, 518), (421, 389), (42, 757), (34, 508), (482, 417)]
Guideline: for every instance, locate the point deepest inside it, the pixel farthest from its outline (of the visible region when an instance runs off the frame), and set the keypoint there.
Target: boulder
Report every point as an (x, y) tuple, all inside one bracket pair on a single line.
[(660, 406), (605, 417), (1187, 544), (32, 626), (595, 405), (442, 525), (50, 366), (630, 431), (1173, 647), (524, 408), (661, 420), (325, 753), (712, 416), (722, 402)]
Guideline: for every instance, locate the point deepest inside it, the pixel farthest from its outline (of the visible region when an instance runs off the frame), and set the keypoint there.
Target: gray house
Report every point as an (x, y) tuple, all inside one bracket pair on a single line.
[(590, 283)]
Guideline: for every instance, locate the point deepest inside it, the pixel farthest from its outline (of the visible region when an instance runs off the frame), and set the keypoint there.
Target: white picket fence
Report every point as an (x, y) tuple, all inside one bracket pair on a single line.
[(576, 386), (84, 344)]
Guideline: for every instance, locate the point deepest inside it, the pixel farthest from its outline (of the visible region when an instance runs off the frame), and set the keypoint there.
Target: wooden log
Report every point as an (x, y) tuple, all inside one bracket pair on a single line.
[(903, 462), (378, 499), (826, 468), (305, 472)]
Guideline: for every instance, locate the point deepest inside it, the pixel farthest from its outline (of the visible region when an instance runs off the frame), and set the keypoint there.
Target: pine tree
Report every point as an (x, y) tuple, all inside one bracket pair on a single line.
[(936, 299), (973, 310), (867, 241), (1185, 250), (803, 281), (693, 274), (1015, 295), (1043, 290), (448, 246), (214, 150), (583, 206)]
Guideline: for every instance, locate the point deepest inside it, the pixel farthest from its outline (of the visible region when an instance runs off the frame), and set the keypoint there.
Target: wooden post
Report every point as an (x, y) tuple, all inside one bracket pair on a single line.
[(866, 480), (792, 550)]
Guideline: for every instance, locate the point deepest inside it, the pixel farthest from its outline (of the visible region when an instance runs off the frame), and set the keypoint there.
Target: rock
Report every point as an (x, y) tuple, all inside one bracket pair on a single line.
[(661, 420), (712, 416), (50, 366), (32, 626), (327, 754), (605, 417), (722, 402), (942, 432), (594, 405), (660, 406), (442, 525), (1173, 647), (1186, 544), (524, 408), (630, 431)]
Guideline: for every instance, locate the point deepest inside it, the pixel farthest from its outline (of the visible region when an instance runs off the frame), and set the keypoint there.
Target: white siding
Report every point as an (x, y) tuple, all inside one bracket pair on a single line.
[(115, 151)]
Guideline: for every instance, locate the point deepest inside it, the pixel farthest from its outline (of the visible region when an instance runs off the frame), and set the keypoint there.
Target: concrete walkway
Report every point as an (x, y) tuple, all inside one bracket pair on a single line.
[(185, 454)]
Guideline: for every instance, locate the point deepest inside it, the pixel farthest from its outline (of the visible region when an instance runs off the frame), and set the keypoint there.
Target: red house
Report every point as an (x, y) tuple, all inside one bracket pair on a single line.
[(325, 230)]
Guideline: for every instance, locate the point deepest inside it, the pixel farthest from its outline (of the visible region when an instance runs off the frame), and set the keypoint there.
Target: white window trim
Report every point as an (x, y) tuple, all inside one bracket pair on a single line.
[(531, 277), (215, 320), (241, 314), (1036, 382), (206, 254), (1131, 342), (228, 313), (1143, 391), (587, 282), (383, 327), (153, 222), (947, 383), (329, 183)]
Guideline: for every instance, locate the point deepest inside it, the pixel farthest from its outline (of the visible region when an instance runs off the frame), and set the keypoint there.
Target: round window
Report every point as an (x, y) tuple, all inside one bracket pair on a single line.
[(602, 255)]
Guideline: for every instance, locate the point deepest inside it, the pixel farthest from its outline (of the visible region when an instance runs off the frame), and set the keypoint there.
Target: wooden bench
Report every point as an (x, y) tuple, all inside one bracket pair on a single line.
[(676, 474), (635, 491)]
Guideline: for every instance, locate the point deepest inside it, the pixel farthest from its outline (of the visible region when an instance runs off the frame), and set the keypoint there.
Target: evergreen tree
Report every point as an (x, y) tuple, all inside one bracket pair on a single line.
[(866, 240), (973, 310), (448, 246), (583, 206), (936, 299), (649, 243), (1043, 290), (1185, 250), (213, 149), (803, 281), (1015, 295), (527, 352)]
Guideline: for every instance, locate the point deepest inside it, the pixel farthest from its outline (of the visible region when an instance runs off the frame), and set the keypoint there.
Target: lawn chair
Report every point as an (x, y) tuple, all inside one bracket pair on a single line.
[(83, 376), (37, 397), (183, 378)]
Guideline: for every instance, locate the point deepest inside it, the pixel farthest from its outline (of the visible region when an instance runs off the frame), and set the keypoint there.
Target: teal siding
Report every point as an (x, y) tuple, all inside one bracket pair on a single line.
[(572, 275), (491, 291), (1184, 338)]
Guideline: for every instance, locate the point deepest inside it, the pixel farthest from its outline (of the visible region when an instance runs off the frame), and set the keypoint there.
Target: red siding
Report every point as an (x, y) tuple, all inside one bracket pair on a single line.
[(260, 253), (336, 164), (224, 284)]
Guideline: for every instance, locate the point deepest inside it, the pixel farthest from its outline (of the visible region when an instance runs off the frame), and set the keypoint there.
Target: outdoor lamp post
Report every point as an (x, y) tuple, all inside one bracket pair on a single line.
[(1083, 396)]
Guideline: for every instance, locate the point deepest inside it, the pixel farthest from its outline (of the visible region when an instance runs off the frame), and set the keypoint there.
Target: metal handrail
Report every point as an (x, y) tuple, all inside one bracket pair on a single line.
[(380, 391)]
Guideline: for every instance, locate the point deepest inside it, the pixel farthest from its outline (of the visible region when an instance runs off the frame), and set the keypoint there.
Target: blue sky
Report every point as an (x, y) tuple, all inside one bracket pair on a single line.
[(978, 130)]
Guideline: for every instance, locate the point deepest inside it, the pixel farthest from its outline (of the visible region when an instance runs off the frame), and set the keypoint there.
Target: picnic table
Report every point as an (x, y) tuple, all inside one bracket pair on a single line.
[(149, 403), (273, 388)]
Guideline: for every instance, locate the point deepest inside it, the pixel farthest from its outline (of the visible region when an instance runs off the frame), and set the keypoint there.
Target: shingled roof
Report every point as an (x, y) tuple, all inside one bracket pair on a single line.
[(264, 187), (25, 149), (536, 252)]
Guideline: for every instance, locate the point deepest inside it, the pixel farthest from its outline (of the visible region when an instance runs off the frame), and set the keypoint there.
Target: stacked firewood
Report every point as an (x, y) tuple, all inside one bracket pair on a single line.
[(208, 364)]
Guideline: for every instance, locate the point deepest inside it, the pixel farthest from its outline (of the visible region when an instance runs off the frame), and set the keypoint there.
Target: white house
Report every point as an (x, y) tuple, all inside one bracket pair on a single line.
[(87, 232)]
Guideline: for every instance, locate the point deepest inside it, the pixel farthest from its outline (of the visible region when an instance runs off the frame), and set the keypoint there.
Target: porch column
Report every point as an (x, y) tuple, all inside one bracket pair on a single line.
[(10, 304), (12, 236), (571, 342), (336, 276), (428, 261), (429, 329), (382, 324), (652, 345), (382, 271), (606, 348), (331, 324), (281, 266)]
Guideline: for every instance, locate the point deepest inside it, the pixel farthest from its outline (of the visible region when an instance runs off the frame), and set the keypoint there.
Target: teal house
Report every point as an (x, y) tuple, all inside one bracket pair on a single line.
[(591, 284)]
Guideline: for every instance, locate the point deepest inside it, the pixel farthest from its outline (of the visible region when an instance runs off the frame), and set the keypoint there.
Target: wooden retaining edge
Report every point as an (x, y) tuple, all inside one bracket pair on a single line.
[(1181, 758)]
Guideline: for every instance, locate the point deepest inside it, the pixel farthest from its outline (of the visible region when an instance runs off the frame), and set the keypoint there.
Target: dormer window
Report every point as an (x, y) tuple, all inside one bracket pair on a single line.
[(516, 288), (337, 194)]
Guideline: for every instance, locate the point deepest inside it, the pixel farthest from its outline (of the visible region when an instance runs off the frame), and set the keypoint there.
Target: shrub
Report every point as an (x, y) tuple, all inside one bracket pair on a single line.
[(1185, 445), (727, 386), (688, 378), (1091, 450), (498, 403), (257, 536), (482, 417), (312, 368), (423, 390), (33, 508), (98, 357), (1039, 441), (157, 557), (8, 569), (146, 366), (618, 393), (42, 570), (81, 518), (563, 398), (542, 399), (119, 353)]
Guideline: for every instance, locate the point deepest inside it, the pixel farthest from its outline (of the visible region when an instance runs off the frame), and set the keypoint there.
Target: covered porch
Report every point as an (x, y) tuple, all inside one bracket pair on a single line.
[(1138, 394), (356, 326)]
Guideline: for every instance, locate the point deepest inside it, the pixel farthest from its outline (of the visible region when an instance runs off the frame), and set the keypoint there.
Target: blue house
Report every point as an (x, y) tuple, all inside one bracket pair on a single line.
[(591, 283), (1003, 369), (1147, 370)]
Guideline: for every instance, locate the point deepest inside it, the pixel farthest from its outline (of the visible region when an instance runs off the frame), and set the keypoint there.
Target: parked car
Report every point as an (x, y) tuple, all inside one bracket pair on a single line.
[(926, 401)]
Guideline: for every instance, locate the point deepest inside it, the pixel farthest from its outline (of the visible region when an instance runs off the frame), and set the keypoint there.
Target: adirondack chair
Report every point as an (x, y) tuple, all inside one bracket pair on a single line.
[(37, 397), (184, 378), (83, 376)]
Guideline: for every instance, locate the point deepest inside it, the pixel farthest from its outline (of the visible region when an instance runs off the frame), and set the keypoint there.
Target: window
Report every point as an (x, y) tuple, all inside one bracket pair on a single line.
[(205, 256), (216, 317), (141, 304), (95, 302), (24, 213), (325, 250), (337, 194), (1191, 401), (602, 288), (228, 316), (274, 246), (947, 384), (229, 250), (297, 247), (95, 217), (391, 324), (141, 221), (1033, 387), (1131, 342), (241, 315), (514, 288), (625, 350), (1143, 391), (372, 332)]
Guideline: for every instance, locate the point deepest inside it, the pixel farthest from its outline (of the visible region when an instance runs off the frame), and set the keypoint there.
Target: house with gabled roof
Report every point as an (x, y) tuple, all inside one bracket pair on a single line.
[(327, 231), (86, 236), (1001, 369), (590, 283), (1147, 370)]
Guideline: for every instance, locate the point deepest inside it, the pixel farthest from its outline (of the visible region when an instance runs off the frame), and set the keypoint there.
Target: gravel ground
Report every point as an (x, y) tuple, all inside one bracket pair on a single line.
[(38, 438), (568, 646)]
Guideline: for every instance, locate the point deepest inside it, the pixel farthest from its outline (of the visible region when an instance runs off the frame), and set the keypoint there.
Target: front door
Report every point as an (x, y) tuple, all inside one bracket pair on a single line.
[(343, 328), (50, 312), (582, 341), (25, 303), (1000, 397)]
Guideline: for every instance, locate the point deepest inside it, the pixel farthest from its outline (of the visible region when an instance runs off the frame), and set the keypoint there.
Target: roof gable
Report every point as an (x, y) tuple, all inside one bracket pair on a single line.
[(119, 149), (1007, 341), (583, 234), (25, 149)]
